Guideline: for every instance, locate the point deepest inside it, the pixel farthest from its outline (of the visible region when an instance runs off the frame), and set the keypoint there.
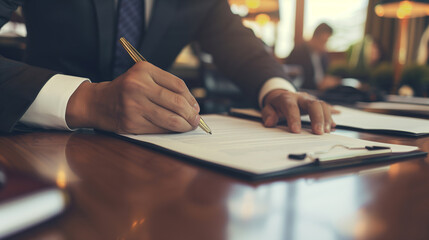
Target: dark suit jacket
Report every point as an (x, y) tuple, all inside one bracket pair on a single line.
[(77, 37), (301, 55)]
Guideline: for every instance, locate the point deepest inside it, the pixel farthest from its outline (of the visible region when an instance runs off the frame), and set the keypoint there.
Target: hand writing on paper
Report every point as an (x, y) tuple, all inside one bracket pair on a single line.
[(145, 99), (279, 104)]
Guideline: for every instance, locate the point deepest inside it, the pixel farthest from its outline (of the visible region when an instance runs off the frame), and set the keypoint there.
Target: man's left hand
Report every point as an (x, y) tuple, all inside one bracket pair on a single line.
[(280, 104)]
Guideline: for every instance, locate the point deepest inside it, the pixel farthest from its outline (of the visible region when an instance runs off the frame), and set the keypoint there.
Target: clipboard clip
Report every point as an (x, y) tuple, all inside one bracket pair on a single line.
[(313, 155)]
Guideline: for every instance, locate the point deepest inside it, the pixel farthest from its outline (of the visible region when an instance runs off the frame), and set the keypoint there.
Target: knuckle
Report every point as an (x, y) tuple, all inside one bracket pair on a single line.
[(304, 94), (128, 83), (326, 106), (288, 98), (139, 69), (180, 85), (174, 123), (141, 66), (154, 113), (179, 101), (314, 102), (289, 102), (160, 92), (134, 69)]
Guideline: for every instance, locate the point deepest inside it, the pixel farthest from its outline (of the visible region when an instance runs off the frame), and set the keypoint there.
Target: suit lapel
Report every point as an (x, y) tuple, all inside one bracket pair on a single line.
[(105, 15), (163, 13)]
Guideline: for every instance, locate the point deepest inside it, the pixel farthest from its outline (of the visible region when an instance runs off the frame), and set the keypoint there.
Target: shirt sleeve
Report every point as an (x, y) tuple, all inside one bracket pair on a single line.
[(49, 108), (272, 84)]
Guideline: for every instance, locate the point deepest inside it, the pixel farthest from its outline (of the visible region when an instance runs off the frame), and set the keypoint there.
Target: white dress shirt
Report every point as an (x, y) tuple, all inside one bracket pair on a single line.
[(49, 108)]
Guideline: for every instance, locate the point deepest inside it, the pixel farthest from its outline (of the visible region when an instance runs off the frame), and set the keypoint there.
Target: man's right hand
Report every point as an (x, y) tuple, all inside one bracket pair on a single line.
[(145, 99)]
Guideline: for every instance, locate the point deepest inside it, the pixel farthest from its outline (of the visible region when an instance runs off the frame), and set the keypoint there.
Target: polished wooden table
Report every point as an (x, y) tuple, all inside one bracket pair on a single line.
[(121, 190)]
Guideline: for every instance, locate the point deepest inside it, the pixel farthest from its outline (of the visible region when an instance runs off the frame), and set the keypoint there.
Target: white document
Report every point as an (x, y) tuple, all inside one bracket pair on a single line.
[(376, 121), (365, 120), (396, 107), (249, 146)]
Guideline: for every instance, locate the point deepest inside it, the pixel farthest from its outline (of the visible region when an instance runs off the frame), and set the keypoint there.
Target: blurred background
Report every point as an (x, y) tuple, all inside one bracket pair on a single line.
[(376, 48)]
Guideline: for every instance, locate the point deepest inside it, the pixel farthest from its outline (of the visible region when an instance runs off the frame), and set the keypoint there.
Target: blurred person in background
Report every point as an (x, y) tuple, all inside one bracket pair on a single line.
[(312, 57)]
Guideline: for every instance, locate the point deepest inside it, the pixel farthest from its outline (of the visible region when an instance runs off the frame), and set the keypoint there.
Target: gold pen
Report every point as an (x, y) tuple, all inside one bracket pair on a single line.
[(137, 57)]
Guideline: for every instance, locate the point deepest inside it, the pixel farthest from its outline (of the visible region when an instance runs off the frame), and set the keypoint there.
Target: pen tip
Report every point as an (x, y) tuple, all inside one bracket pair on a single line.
[(210, 133)]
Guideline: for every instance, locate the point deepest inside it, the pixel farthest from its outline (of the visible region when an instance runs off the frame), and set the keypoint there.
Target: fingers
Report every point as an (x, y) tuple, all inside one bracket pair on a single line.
[(320, 114), (140, 118), (316, 112), (145, 99), (280, 103), (334, 111), (269, 116), (174, 84), (164, 90), (166, 119), (327, 113), (140, 125), (289, 108), (174, 102), (149, 128)]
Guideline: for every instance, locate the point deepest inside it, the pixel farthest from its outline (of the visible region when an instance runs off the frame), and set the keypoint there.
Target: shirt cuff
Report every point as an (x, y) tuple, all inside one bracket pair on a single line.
[(272, 84), (49, 108)]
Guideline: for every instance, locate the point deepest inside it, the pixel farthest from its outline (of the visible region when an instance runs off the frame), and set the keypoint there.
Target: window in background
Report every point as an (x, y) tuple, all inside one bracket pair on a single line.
[(346, 17), (259, 15), (286, 28), (273, 21), (263, 28)]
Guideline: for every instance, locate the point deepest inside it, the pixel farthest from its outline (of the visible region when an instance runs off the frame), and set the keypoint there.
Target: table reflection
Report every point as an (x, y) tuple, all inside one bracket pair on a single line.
[(121, 190)]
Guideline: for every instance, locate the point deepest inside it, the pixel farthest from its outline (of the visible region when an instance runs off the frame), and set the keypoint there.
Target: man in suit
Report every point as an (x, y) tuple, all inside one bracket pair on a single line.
[(312, 57), (71, 77)]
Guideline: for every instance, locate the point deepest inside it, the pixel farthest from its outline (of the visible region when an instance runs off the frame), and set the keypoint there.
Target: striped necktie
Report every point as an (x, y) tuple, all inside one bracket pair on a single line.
[(131, 26)]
